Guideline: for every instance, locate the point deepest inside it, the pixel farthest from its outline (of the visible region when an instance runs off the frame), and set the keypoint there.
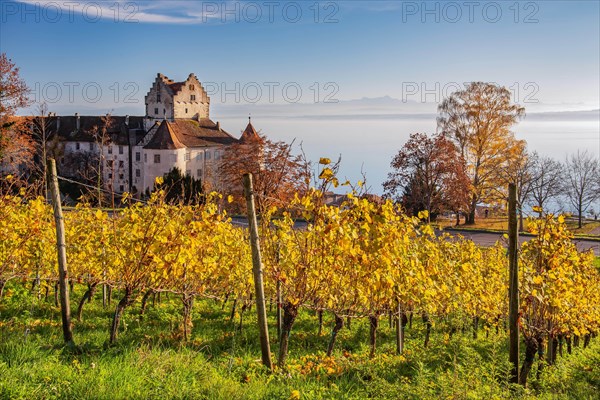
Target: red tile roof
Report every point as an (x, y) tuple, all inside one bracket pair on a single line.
[(249, 134), (189, 133)]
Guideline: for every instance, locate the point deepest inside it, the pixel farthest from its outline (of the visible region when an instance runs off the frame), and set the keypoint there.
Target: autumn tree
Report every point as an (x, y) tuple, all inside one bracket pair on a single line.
[(582, 182), (16, 147), (547, 180), (278, 174), (478, 120), (431, 173)]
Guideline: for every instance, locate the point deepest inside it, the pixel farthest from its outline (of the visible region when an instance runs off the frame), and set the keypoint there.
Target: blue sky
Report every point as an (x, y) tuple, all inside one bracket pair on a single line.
[(548, 52)]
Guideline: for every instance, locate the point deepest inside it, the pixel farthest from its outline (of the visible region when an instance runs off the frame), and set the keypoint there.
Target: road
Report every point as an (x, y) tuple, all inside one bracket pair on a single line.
[(481, 238), (489, 239)]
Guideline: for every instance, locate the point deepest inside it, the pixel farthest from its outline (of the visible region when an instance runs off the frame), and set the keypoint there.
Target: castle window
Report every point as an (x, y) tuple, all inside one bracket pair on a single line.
[(156, 111), (138, 156), (145, 157), (186, 110), (157, 159), (109, 163), (187, 157), (110, 176), (121, 188), (121, 176), (109, 149), (158, 97), (164, 111), (121, 164), (138, 173), (207, 155), (192, 87), (199, 173), (193, 97), (120, 149), (199, 156), (77, 146)]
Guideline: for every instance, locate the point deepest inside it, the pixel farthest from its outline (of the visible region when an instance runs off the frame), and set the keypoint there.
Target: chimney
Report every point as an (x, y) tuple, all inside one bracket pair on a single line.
[(57, 123), (218, 126), (127, 120), (78, 121)]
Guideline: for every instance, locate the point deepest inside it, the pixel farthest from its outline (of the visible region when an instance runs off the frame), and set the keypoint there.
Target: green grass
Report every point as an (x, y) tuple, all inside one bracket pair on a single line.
[(220, 362)]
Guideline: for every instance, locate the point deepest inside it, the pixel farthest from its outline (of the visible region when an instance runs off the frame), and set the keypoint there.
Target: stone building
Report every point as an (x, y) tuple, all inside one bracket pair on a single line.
[(176, 131)]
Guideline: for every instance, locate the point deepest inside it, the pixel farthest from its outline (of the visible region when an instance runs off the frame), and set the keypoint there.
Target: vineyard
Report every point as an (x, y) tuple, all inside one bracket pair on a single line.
[(362, 266)]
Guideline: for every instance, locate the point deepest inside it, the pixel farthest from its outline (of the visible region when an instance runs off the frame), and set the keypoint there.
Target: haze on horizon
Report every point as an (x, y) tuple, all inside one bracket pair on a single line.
[(349, 78)]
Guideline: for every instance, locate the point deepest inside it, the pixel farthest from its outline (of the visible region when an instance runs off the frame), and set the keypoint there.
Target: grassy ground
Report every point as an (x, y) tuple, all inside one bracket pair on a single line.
[(220, 362)]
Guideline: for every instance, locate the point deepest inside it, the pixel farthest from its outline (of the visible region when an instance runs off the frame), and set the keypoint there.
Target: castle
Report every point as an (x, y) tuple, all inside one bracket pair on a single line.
[(175, 132)]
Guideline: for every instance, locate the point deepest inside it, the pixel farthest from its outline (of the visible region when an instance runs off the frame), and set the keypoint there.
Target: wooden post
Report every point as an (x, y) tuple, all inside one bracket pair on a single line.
[(63, 276), (513, 286), (399, 330), (257, 272), (279, 314)]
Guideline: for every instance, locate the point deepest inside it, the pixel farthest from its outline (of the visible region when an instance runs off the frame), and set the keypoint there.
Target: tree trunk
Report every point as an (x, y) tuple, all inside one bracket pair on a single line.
[(530, 352), (188, 305), (475, 326), (540, 352), (224, 302), (89, 293), (46, 292), (290, 312), (124, 303), (569, 341), (586, 340), (56, 294), (320, 317), (427, 323), (470, 218), (279, 313), (373, 323), (233, 309), (2, 285), (338, 325), (410, 318), (575, 341), (71, 285), (457, 219), (521, 224), (400, 323), (561, 340), (109, 294), (145, 302), (241, 325), (580, 217)]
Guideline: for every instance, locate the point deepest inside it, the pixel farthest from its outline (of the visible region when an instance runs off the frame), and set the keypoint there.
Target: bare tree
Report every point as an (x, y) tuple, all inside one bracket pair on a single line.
[(547, 180), (518, 170), (41, 130), (582, 182)]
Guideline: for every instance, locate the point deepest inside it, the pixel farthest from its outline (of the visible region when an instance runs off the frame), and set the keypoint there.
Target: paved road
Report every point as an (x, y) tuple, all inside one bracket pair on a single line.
[(489, 239), (481, 238)]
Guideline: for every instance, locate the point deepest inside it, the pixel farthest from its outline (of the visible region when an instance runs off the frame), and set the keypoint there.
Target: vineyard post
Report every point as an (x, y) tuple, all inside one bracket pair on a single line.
[(257, 272), (513, 288), (65, 308)]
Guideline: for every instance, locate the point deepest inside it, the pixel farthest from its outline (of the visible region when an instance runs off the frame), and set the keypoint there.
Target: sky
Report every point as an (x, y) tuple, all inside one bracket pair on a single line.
[(349, 78)]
